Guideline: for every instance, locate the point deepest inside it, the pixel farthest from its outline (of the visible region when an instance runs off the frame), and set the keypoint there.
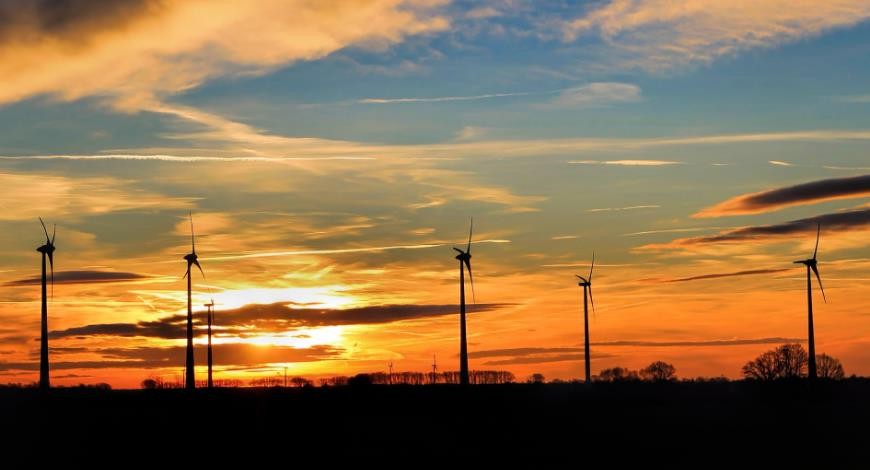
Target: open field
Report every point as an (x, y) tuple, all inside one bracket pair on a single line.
[(670, 421)]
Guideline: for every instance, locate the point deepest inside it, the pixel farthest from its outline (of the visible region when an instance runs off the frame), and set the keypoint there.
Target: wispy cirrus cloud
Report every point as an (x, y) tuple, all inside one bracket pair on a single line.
[(336, 251), (231, 140), (620, 209), (518, 356), (800, 194), (662, 34), (708, 343), (625, 162), (671, 230), (597, 94), (22, 195), (588, 95), (443, 99), (780, 163)]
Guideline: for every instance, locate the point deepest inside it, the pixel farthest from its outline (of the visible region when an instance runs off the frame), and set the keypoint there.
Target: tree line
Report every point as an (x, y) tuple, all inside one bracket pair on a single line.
[(788, 361)]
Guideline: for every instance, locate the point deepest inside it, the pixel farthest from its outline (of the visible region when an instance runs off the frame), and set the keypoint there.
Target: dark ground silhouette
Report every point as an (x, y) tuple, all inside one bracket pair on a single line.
[(660, 423)]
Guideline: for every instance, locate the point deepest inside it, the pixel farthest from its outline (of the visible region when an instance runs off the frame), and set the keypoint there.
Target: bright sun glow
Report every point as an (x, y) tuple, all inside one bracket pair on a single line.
[(331, 296), (301, 338)]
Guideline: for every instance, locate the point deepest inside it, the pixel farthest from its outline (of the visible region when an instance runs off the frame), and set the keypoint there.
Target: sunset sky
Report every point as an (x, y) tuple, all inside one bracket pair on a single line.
[(332, 153)]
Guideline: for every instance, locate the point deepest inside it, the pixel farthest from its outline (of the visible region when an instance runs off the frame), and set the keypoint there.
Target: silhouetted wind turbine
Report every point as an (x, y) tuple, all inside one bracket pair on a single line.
[(47, 251), (210, 313), (464, 258), (586, 284), (812, 265), (434, 368), (191, 258)]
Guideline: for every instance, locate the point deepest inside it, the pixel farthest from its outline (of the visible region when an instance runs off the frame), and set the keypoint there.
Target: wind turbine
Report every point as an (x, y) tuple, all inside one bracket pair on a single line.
[(191, 258), (47, 251), (586, 284), (464, 258), (812, 264), (434, 369), (210, 313)]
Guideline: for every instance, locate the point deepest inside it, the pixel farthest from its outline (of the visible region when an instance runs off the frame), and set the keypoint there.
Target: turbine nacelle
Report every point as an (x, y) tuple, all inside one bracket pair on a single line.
[(463, 256), (47, 249), (584, 283)]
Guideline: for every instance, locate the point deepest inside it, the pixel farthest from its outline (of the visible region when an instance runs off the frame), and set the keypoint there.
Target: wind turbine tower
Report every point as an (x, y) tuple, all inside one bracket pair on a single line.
[(586, 284), (812, 264)]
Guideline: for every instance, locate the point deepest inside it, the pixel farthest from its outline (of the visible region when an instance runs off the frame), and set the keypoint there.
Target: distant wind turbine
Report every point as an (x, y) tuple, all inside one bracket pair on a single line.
[(812, 264), (191, 258), (210, 313), (47, 251), (464, 258), (434, 369), (586, 284)]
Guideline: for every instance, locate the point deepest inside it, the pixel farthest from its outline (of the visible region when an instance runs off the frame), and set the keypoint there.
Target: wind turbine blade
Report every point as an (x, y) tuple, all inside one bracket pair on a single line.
[(819, 278), (591, 301), (818, 235), (458, 250), (192, 242), (44, 229), (471, 278), (53, 234), (470, 229), (186, 273), (196, 262), (591, 267)]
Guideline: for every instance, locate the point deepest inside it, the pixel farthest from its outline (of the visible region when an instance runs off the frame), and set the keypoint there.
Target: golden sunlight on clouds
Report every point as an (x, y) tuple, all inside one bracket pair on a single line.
[(86, 50), (657, 34), (22, 195)]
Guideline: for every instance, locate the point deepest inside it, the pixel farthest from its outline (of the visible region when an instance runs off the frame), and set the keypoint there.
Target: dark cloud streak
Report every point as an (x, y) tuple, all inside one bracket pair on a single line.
[(81, 277), (236, 354), (835, 222), (255, 318), (750, 272), (806, 193)]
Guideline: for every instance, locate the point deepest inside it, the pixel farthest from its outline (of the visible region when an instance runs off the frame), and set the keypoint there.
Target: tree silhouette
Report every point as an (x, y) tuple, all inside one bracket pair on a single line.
[(616, 374), (537, 378), (785, 362), (300, 382), (764, 367), (829, 367), (658, 371)]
